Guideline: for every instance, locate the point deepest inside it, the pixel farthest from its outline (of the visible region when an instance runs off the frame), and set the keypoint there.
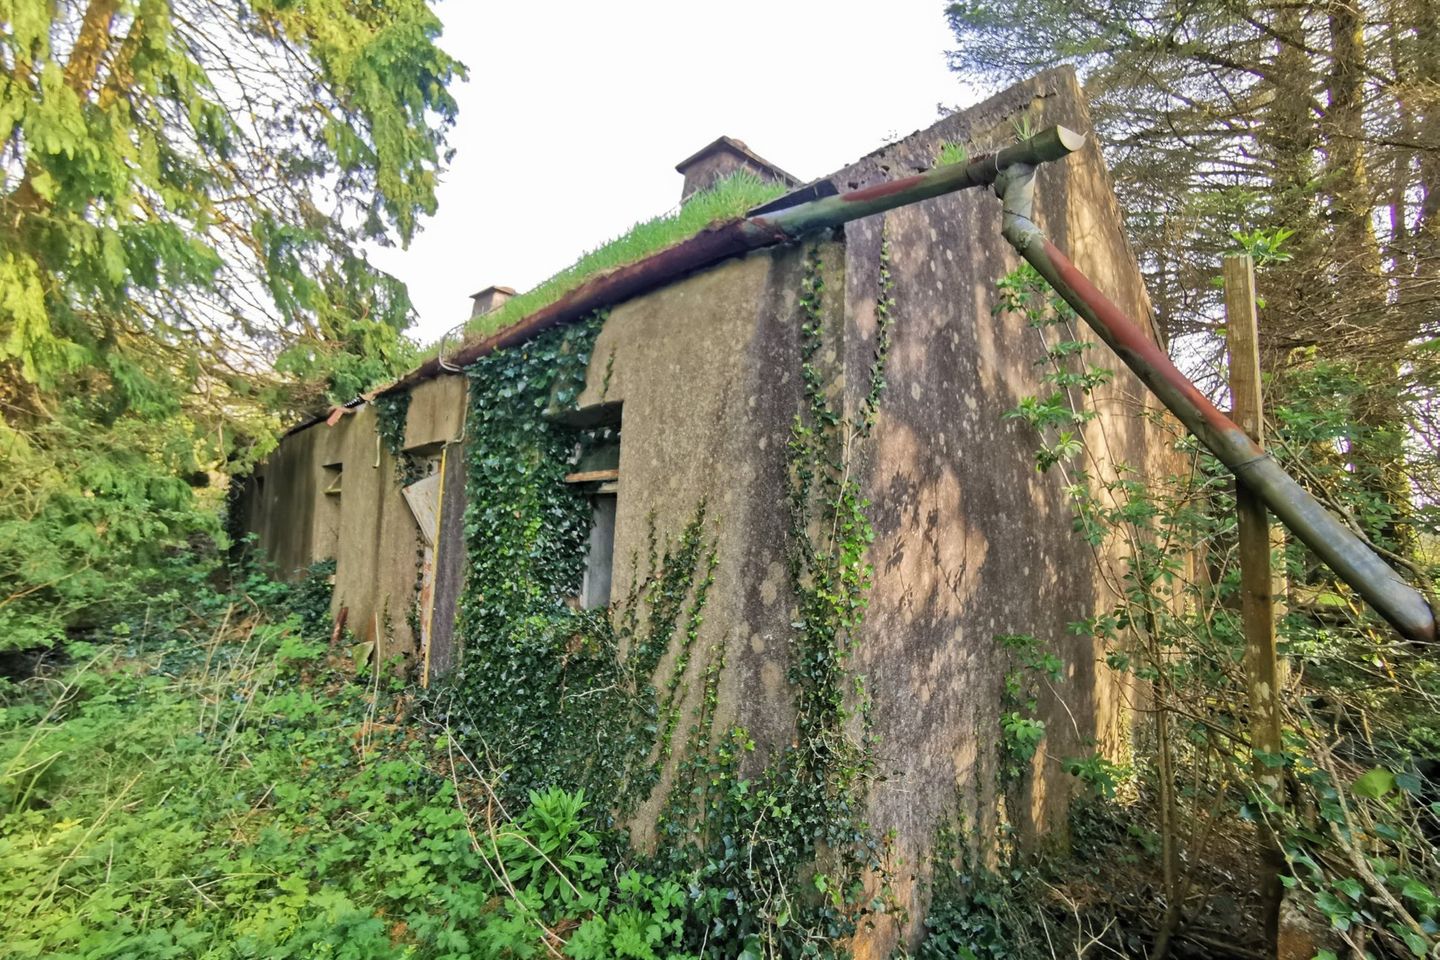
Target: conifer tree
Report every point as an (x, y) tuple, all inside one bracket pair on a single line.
[(186, 191), (1234, 125)]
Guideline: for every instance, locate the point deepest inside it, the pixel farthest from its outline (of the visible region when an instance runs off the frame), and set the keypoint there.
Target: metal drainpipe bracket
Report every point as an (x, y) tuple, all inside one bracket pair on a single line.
[(1015, 186)]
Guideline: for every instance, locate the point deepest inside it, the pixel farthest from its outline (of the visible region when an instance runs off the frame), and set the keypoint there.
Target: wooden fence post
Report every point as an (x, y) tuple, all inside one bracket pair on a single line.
[(1257, 583)]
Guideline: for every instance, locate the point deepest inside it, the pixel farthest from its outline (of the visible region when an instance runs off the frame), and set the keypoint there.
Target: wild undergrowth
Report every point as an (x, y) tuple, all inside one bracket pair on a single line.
[(1340, 822), (248, 793)]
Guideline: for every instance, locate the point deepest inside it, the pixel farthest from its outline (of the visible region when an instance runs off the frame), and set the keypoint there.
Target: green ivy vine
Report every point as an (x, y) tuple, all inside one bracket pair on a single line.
[(392, 411), (775, 851), (540, 678), (779, 861)]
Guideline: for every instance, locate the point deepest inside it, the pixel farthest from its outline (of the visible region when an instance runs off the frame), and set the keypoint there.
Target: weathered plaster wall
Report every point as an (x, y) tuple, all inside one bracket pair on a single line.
[(706, 371), (972, 541), (367, 528)]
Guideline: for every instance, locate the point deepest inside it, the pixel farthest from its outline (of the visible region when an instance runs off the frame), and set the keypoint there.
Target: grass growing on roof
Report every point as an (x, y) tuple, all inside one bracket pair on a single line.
[(729, 198), (950, 154)]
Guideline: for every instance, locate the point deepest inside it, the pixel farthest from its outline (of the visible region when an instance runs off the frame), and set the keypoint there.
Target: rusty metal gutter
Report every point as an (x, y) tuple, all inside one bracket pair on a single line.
[(733, 238), (1336, 544)]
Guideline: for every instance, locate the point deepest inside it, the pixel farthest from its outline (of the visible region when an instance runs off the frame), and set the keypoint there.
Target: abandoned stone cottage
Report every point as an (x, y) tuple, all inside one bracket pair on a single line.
[(689, 396)]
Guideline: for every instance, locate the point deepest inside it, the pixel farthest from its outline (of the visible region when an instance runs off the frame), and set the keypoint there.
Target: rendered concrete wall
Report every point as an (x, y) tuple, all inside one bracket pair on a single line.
[(367, 528), (971, 541), (707, 372)]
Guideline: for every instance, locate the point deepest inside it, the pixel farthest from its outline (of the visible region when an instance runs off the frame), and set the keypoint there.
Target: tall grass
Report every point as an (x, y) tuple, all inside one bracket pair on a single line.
[(729, 198)]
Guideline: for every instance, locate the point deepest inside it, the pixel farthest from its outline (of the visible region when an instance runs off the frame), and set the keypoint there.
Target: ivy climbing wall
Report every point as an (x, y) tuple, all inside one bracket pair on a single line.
[(972, 542), (824, 523), (707, 372)]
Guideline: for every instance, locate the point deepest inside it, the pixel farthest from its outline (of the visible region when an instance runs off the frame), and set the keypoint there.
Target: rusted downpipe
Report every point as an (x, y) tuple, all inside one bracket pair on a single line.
[(1345, 553), (1053, 143)]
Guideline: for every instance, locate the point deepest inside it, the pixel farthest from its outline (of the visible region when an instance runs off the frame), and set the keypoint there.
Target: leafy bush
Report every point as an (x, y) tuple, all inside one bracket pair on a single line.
[(1345, 806), (91, 522), (250, 795)]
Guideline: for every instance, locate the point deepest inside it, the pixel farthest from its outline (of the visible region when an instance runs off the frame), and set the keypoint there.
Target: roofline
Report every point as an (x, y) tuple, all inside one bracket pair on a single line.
[(732, 238), (721, 241)]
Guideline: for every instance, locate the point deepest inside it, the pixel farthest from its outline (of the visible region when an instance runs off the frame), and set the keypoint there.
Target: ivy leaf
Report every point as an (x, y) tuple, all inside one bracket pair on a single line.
[(1421, 894), (1375, 783), (1351, 887), (1410, 782)]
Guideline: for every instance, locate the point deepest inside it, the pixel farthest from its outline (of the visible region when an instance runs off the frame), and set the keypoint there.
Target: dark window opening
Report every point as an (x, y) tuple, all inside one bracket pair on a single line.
[(424, 460), (596, 473)]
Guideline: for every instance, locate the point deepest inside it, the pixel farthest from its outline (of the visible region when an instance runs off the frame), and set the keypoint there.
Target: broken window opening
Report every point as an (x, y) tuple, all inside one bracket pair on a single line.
[(327, 530), (597, 473), (423, 492), (599, 560)]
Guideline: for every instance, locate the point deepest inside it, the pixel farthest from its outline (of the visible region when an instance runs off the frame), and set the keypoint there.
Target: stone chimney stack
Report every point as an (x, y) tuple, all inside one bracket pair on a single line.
[(489, 299), (721, 158)]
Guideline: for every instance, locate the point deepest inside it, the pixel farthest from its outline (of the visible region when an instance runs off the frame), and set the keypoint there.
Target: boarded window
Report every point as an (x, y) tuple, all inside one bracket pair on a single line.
[(424, 497)]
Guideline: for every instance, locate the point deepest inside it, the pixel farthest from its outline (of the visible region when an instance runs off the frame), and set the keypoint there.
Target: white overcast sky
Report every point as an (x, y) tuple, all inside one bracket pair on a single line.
[(575, 115)]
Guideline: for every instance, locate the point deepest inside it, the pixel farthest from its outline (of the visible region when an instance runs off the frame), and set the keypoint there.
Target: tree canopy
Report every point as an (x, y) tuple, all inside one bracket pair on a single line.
[(186, 192), (1308, 134)]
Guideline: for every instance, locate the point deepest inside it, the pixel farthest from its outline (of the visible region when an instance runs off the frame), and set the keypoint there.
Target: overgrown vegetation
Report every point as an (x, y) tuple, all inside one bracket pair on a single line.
[(210, 772), (1355, 818), (248, 793), (186, 191), (727, 199)]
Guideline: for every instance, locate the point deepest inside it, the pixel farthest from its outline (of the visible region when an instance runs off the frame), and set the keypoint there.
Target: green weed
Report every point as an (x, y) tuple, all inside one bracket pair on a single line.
[(251, 796), (729, 198)]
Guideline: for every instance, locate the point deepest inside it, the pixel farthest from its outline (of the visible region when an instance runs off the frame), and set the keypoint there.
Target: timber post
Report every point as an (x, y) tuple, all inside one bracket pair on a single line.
[(1263, 671)]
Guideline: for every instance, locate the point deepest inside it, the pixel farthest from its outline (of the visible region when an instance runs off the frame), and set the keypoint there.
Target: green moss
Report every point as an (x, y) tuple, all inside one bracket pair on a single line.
[(728, 199)]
